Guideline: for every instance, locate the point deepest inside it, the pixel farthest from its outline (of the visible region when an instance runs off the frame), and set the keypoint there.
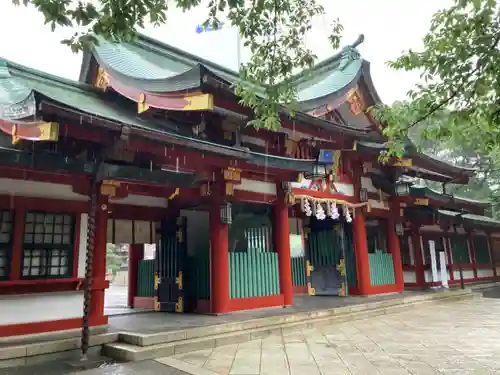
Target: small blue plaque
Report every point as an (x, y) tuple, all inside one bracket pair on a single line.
[(326, 157)]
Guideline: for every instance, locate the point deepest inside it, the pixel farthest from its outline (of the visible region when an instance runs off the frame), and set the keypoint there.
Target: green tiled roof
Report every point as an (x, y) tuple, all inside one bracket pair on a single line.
[(148, 64), (12, 89), (92, 102), (75, 95), (476, 219), (412, 152)]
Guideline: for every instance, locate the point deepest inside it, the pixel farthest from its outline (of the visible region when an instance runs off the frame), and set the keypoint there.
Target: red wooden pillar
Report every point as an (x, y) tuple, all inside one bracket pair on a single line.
[(135, 254), (394, 248), (17, 244), (472, 253), (282, 243), (417, 252), (99, 283), (492, 253), (219, 260), (361, 249)]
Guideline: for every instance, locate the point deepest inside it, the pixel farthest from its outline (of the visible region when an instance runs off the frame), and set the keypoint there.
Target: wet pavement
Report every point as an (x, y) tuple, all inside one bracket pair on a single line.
[(154, 321), (77, 368), (455, 337), (448, 338)]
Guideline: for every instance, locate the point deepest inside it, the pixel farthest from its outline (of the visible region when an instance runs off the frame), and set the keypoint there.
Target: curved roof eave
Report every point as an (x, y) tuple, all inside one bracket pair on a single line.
[(333, 99), (187, 80), (367, 78), (413, 153)]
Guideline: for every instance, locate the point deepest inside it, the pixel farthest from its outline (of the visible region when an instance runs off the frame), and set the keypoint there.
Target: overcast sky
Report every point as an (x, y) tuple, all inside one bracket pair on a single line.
[(390, 26)]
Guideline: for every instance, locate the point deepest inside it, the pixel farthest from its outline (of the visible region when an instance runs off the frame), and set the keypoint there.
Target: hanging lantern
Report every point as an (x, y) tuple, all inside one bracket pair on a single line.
[(226, 215), (402, 188), (363, 195), (399, 229), (317, 171), (286, 186)]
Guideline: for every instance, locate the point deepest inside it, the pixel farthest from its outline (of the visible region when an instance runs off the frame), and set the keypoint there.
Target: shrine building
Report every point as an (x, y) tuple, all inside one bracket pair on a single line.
[(150, 146)]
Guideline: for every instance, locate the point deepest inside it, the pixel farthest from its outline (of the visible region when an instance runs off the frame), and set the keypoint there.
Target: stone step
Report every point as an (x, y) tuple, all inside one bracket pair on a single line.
[(142, 347), (19, 354), (141, 339)]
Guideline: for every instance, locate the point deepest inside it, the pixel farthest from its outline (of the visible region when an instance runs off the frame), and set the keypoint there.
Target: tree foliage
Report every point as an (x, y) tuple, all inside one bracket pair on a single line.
[(273, 30), (483, 186), (459, 97), (114, 260)]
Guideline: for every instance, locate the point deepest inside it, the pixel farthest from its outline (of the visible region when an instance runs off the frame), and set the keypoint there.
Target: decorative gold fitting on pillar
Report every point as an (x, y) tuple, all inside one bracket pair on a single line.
[(178, 280), (180, 237), (310, 290), (341, 267), (156, 281), (15, 137), (229, 189), (174, 194), (179, 306), (142, 106), (102, 79)]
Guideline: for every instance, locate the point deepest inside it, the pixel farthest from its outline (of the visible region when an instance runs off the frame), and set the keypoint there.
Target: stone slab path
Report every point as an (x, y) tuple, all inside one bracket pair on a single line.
[(446, 338)]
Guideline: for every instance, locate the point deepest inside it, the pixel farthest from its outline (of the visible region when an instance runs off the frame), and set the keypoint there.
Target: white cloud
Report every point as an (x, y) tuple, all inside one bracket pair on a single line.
[(390, 26)]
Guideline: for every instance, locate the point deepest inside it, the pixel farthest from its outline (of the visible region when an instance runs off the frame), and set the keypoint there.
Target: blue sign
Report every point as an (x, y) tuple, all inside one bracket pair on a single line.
[(326, 157), (201, 29)]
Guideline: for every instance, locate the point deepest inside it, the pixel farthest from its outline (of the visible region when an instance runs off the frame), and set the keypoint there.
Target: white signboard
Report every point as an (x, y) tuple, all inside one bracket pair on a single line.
[(444, 271), (432, 251)]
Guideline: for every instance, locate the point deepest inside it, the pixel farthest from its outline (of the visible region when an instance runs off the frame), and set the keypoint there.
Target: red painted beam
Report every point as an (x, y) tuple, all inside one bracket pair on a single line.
[(41, 176)]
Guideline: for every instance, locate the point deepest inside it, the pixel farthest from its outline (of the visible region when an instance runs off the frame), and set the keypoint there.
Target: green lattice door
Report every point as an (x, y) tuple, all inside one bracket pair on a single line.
[(460, 250), (170, 261), (325, 258)]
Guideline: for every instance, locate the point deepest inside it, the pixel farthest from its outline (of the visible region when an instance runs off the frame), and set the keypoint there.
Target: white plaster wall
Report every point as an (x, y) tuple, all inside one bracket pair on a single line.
[(378, 204), (142, 200), (428, 276), (498, 270), (467, 274), (409, 276), (38, 189), (485, 272), (366, 182), (27, 308), (197, 230), (410, 248), (65, 192), (82, 245), (255, 186), (346, 189), (430, 228)]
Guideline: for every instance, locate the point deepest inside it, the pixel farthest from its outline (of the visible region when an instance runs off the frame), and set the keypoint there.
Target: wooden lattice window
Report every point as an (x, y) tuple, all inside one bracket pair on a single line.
[(376, 233), (404, 245), (482, 249), (460, 250), (439, 246), (48, 245), (495, 250), (6, 230)]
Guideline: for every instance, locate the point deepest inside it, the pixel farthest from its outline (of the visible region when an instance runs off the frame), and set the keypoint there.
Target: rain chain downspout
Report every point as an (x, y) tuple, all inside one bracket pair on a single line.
[(87, 290)]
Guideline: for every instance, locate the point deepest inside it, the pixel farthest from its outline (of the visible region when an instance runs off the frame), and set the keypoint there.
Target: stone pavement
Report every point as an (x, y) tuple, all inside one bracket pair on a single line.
[(446, 338), (154, 322)]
